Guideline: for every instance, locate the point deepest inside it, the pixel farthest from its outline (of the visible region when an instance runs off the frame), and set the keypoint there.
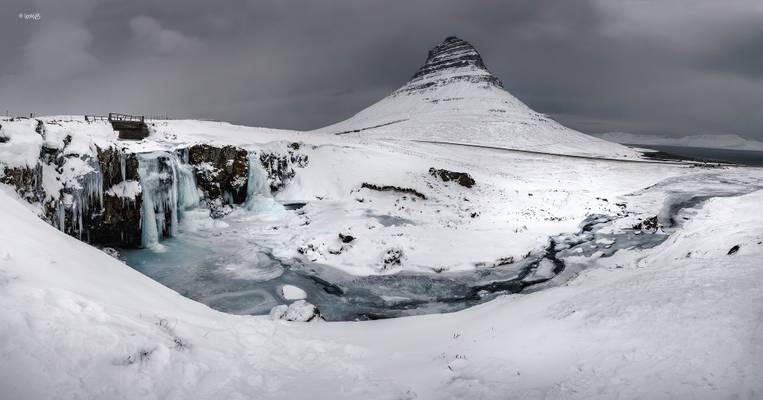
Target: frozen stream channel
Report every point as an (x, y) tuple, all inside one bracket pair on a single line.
[(228, 265)]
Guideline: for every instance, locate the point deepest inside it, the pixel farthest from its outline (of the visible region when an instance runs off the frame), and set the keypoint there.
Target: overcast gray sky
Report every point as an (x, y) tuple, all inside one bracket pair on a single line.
[(668, 67)]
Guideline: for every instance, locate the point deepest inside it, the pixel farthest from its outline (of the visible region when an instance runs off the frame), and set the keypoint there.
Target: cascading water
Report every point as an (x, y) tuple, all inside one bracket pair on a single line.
[(258, 197), (169, 188), (257, 179), (188, 195)]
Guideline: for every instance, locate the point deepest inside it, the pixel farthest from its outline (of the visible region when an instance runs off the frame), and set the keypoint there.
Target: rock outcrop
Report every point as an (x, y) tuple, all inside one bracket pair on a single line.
[(26, 180), (391, 188), (462, 178), (649, 225), (221, 172), (119, 221), (280, 167)]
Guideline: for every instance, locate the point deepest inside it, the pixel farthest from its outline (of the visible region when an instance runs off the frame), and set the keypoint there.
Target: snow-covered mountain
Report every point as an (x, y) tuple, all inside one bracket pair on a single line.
[(730, 142), (453, 97)]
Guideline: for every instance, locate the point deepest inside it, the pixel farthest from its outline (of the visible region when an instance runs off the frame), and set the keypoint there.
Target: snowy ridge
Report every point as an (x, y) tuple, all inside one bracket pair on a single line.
[(454, 98)]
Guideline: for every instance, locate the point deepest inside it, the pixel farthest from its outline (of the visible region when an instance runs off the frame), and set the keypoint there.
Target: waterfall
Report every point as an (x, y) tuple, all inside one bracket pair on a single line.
[(188, 194), (257, 179), (169, 188), (258, 196)]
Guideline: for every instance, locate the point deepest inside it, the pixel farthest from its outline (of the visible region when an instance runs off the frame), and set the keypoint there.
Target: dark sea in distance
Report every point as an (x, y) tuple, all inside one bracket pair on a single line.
[(745, 157)]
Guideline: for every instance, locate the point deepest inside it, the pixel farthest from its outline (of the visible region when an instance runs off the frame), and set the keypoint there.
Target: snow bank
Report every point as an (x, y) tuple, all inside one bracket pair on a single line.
[(128, 190), (76, 323), (21, 146)]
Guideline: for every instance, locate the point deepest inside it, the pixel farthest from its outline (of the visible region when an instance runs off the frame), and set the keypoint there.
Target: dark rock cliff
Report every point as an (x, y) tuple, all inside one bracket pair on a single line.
[(280, 167), (118, 223), (220, 171)]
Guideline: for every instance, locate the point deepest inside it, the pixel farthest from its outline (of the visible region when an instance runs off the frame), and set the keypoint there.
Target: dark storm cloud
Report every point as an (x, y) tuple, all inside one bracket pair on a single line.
[(741, 55), (668, 67)]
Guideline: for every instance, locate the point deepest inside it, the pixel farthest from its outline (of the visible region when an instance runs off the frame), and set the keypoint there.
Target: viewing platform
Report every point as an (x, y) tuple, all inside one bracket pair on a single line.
[(129, 127)]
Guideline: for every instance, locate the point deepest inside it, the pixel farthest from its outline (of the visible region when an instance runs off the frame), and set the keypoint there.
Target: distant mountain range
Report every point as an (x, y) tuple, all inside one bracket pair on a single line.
[(731, 142)]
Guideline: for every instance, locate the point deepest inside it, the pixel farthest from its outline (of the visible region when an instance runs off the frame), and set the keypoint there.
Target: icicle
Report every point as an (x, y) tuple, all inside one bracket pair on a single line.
[(172, 198), (78, 211), (83, 198), (228, 198), (88, 197), (123, 165), (60, 217)]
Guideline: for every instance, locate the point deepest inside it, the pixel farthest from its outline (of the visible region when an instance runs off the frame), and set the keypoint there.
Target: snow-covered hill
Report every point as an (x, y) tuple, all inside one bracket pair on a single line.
[(454, 98), (731, 142)]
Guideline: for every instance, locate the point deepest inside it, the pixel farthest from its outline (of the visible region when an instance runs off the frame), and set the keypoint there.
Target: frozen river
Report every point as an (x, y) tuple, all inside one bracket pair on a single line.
[(228, 265)]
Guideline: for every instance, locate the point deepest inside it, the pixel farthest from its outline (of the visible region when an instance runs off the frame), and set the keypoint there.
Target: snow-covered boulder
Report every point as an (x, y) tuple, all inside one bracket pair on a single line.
[(299, 311), (542, 272)]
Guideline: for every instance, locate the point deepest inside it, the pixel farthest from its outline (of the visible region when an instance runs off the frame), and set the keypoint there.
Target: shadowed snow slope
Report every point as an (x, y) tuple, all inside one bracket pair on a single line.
[(682, 320), (454, 98)]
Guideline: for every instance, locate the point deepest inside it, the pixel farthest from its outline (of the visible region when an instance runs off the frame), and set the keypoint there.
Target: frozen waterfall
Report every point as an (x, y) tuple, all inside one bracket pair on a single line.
[(257, 179), (83, 196), (169, 188), (258, 197)]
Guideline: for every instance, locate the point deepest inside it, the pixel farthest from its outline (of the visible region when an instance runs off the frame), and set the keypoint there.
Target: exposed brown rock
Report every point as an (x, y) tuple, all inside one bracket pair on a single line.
[(390, 188), (220, 171), (462, 178)]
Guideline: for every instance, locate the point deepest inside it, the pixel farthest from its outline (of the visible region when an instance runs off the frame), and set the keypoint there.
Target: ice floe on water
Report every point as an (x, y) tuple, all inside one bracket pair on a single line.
[(291, 292)]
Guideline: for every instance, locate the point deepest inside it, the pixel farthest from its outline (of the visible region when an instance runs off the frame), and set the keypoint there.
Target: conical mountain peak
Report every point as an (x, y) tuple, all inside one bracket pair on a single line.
[(452, 60), (454, 98)]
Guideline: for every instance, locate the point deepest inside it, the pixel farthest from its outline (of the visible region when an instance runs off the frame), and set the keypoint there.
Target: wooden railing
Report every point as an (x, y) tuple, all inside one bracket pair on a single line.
[(136, 118), (115, 117), (126, 117)]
